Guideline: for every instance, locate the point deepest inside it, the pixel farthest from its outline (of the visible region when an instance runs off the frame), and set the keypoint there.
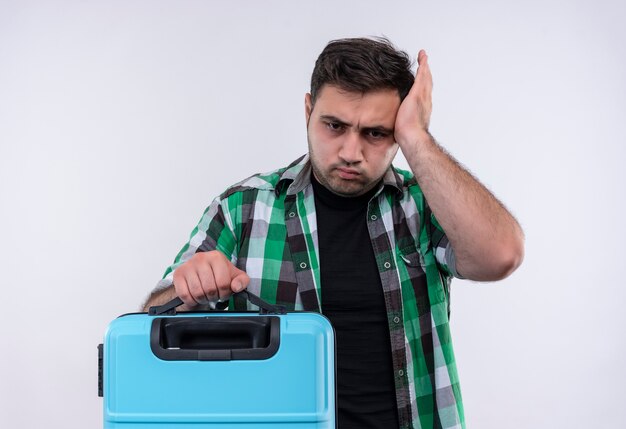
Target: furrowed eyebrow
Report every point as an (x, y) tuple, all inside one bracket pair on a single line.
[(331, 118)]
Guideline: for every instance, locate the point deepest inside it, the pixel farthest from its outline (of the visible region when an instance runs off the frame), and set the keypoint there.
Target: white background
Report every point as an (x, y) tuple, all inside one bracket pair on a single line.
[(121, 120)]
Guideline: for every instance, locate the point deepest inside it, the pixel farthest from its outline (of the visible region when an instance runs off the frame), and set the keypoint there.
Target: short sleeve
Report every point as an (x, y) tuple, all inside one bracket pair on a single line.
[(444, 253)]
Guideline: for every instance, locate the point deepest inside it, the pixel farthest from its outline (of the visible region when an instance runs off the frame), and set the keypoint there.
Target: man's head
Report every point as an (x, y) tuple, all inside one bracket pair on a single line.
[(362, 65), (356, 89)]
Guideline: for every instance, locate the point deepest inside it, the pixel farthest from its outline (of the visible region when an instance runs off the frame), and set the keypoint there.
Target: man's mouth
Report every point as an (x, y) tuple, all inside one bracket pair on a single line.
[(347, 173)]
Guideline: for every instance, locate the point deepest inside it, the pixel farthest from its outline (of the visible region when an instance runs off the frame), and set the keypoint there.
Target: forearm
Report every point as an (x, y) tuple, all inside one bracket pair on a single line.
[(487, 241), (159, 298), (163, 296)]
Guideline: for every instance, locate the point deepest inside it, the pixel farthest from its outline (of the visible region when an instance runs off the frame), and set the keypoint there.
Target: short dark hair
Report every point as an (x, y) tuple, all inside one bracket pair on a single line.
[(362, 65)]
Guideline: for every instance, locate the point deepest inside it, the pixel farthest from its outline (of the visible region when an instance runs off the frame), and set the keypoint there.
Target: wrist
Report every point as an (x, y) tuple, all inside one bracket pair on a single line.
[(417, 138)]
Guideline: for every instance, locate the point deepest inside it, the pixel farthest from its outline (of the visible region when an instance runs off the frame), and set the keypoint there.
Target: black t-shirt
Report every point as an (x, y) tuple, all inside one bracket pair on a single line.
[(352, 298)]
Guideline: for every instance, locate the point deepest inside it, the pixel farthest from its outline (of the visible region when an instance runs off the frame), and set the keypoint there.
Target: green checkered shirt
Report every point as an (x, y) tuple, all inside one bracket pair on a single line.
[(267, 225)]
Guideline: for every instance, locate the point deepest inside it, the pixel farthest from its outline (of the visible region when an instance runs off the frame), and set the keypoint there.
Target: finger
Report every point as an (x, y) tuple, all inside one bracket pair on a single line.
[(422, 62), (195, 287), (207, 281), (423, 76), (422, 57), (221, 273), (240, 280), (424, 68), (182, 288)]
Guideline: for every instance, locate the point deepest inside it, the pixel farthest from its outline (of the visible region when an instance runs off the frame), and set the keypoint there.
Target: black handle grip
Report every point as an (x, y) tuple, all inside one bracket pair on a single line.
[(215, 337), (264, 306), (167, 308)]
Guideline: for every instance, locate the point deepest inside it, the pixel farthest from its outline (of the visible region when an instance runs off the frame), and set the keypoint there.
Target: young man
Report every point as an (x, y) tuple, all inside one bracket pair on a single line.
[(372, 247)]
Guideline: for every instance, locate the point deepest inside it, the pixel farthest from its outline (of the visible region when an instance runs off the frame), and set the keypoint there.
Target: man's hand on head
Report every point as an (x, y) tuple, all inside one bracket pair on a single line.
[(208, 277), (413, 117)]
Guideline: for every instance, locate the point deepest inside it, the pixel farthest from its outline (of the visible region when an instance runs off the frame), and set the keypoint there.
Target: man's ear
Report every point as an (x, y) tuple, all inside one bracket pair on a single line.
[(308, 107)]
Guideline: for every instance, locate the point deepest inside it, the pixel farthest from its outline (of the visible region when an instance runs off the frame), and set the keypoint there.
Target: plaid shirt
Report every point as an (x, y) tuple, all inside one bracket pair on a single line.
[(267, 225)]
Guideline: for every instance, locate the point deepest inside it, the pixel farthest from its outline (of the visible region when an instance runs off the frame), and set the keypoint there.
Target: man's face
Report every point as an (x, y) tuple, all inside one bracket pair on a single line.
[(350, 135)]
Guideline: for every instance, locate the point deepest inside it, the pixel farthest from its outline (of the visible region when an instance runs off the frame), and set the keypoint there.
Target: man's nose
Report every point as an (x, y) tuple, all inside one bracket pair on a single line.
[(351, 150)]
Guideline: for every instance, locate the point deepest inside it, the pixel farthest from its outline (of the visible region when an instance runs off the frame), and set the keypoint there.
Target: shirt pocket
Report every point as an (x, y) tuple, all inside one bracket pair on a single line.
[(412, 258)]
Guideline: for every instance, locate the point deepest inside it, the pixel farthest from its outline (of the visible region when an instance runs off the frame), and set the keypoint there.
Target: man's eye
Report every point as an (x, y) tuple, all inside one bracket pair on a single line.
[(377, 134), (334, 126)]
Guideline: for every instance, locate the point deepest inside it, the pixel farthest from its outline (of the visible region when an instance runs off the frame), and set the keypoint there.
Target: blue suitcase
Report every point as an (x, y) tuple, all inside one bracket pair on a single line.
[(192, 370)]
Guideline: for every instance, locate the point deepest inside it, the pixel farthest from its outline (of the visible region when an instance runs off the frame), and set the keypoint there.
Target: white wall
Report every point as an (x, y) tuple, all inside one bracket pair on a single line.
[(121, 120)]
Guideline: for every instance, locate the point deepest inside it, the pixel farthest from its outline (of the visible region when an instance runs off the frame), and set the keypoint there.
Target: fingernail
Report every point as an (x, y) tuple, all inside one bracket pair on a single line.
[(237, 287)]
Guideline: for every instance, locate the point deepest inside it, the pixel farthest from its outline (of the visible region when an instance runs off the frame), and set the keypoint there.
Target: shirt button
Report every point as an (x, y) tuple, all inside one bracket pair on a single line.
[(400, 373), (396, 319), (292, 214), (303, 265), (387, 264), (373, 217)]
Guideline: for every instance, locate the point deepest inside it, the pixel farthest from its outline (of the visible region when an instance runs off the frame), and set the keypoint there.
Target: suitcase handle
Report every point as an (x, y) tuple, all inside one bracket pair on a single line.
[(215, 338), (264, 306)]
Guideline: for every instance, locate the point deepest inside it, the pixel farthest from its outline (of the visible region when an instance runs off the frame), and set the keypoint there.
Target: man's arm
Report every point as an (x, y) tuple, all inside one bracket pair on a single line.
[(201, 273), (205, 278), (161, 297), (488, 242)]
